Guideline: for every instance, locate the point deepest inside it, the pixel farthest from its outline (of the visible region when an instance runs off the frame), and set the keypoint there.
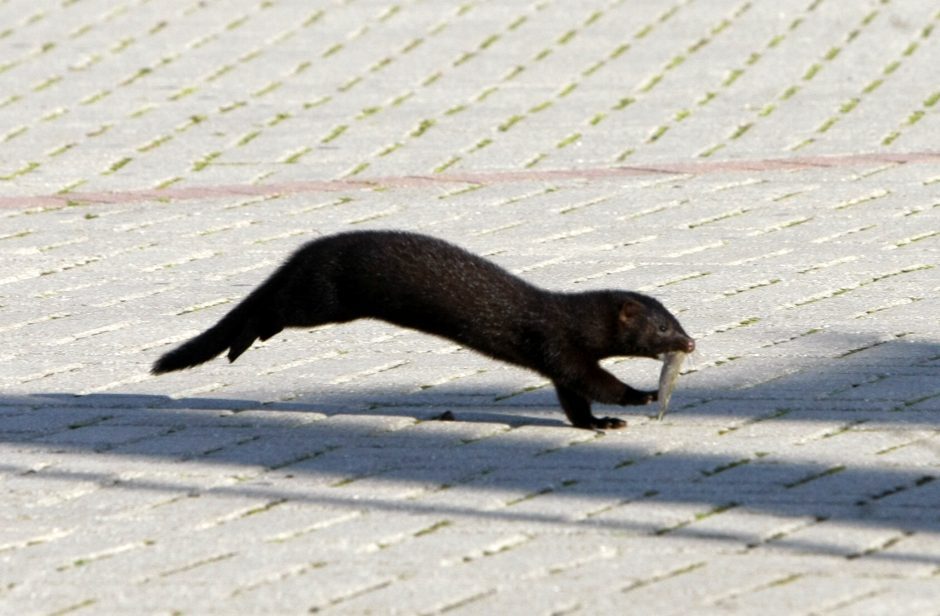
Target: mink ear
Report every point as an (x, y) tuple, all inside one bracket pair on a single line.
[(629, 310)]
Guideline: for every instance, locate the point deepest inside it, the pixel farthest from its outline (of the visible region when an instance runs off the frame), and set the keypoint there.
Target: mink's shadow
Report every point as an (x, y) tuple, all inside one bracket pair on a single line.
[(898, 499)]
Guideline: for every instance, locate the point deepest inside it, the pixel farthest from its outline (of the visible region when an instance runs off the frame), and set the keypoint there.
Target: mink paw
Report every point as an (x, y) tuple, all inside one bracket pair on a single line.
[(606, 423), (639, 398)]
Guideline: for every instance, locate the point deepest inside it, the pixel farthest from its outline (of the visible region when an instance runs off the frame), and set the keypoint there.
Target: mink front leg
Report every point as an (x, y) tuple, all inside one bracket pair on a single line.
[(578, 410), (601, 386)]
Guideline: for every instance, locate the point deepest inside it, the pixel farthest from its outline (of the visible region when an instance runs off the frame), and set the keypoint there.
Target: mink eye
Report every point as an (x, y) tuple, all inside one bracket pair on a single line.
[(663, 328)]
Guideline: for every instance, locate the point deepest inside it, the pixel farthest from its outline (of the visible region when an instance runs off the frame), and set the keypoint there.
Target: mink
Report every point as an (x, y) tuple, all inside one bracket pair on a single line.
[(426, 284)]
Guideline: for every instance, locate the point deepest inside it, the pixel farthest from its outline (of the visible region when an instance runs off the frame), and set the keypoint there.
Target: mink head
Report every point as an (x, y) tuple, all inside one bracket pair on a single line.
[(647, 329)]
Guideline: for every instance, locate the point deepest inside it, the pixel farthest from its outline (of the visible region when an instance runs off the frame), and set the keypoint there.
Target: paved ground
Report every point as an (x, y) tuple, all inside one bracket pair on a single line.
[(763, 168)]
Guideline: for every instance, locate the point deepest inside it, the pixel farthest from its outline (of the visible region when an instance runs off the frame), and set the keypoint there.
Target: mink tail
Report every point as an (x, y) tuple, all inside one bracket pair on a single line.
[(255, 317)]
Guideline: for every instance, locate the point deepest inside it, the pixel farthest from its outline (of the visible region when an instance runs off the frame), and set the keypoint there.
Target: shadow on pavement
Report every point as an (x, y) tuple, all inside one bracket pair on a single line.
[(485, 450)]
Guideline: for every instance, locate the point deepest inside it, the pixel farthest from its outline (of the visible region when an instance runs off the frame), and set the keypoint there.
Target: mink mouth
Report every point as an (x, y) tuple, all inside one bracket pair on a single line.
[(663, 356), (686, 347)]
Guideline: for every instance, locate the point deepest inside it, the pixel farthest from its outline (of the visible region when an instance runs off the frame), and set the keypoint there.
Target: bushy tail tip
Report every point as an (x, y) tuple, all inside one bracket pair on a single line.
[(190, 354), (203, 347)]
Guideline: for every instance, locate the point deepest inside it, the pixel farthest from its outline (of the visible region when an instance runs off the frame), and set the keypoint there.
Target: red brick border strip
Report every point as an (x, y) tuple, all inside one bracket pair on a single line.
[(469, 178)]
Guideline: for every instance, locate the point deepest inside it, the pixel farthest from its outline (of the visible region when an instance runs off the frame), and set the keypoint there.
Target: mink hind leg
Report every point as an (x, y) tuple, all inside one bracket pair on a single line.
[(578, 410), (290, 303), (308, 301)]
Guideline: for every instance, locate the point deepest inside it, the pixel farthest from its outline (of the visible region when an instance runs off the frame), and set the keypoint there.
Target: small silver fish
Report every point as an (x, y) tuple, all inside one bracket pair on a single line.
[(672, 362)]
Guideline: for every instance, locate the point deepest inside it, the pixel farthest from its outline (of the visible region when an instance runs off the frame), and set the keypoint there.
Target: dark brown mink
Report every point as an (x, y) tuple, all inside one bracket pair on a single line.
[(429, 285)]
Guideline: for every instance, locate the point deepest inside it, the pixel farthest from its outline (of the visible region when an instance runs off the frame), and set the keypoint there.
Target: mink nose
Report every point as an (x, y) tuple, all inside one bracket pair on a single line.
[(689, 345)]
